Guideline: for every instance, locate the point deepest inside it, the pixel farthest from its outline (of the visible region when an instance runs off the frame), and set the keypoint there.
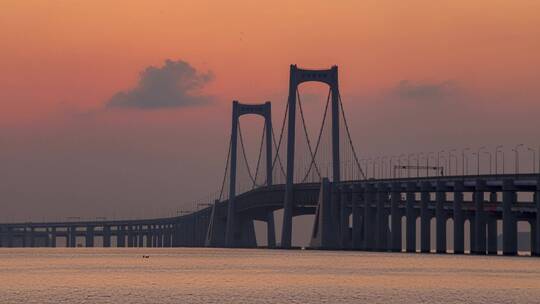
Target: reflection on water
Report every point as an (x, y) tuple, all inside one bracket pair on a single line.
[(261, 276)]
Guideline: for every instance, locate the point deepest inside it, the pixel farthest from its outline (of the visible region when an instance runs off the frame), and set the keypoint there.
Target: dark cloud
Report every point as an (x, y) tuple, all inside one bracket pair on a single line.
[(407, 90), (175, 84)]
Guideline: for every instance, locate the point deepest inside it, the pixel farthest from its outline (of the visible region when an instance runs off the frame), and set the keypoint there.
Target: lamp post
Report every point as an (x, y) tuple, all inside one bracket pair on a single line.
[(496, 158), (478, 159), (381, 169), (516, 160), (533, 157), (418, 163), (490, 159), (450, 155), (464, 162), (409, 164), (439, 158), (399, 164)]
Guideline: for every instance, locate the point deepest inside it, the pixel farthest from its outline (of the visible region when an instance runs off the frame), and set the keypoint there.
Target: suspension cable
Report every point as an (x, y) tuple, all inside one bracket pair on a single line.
[(313, 155), (244, 154), (259, 158), (349, 136), (226, 170), (278, 146)]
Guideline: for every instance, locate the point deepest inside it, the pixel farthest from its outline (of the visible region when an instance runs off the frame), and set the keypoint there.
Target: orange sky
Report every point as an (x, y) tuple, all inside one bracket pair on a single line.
[(61, 61), (83, 52)]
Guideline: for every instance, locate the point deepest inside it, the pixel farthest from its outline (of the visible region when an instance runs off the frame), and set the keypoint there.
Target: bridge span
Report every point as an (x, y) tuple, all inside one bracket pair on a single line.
[(372, 215), (352, 211)]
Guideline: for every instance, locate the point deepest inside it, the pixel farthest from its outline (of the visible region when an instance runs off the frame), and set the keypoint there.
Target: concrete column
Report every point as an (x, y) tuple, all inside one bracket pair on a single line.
[(356, 217), (536, 251), (459, 222), (140, 236), (52, 242), (130, 237), (72, 236), (149, 236), (425, 218), (160, 237), (382, 219), (472, 226), (509, 221), (90, 236), (492, 234), (395, 198), (106, 236), (344, 232), (270, 230), (9, 237), (480, 218), (532, 238), (369, 198), (411, 217), (32, 237), (491, 223), (440, 214), (120, 236)]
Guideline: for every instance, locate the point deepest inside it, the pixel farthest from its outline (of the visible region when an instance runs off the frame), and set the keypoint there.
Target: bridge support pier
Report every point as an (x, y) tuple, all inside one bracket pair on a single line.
[(509, 222), (52, 242), (369, 216), (440, 214), (480, 218), (215, 234), (395, 198), (492, 234), (120, 236), (459, 220), (381, 228), (425, 218), (536, 248), (73, 236), (411, 217), (270, 230), (344, 231), (140, 236), (89, 236), (324, 234), (106, 236), (356, 217), (149, 236)]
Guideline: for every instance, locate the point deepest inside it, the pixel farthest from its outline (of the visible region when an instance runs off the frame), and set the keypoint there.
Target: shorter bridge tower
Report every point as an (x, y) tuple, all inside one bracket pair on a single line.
[(239, 230)]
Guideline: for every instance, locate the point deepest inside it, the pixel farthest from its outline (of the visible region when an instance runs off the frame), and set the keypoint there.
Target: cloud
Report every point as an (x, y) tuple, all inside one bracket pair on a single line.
[(407, 90), (175, 84)]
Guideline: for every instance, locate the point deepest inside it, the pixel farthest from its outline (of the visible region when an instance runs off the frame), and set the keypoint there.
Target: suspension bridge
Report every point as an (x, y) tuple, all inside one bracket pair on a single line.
[(322, 175)]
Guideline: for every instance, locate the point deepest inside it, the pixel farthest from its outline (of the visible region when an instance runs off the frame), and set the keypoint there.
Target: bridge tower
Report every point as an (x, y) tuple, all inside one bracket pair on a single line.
[(297, 77), (240, 231)]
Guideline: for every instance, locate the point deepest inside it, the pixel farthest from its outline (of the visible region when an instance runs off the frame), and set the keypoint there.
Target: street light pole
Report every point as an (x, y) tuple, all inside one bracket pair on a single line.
[(516, 160), (418, 163), (450, 155), (409, 164), (496, 157), (533, 157), (490, 159), (463, 161), (478, 159), (439, 158)]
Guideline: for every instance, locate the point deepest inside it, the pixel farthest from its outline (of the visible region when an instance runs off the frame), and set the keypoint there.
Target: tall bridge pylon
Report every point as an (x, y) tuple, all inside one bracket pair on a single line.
[(297, 77)]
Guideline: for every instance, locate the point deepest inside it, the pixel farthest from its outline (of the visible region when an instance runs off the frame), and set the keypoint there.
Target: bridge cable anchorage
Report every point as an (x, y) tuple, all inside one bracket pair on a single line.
[(226, 170), (349, 137), (278, 146), (245, 156), (313, 154)]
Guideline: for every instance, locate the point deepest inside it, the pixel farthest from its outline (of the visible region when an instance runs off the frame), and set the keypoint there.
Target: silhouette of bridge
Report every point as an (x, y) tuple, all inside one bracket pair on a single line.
[(353, 211)]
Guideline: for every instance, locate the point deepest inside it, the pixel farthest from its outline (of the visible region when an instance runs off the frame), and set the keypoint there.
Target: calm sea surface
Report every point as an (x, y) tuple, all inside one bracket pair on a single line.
[(261, 276)]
